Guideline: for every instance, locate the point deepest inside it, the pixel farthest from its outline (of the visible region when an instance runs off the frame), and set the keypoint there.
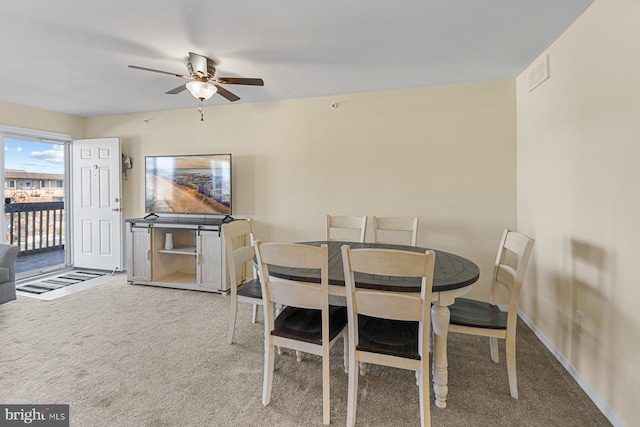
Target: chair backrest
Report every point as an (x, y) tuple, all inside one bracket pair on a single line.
[(346, 222), (406, 226), (292, 293), (510, 266), (238, 241), (388, 304)]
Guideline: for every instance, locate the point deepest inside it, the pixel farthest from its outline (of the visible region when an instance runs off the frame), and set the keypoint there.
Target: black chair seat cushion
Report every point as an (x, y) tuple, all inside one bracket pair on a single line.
[(477, 314), (251, 289), (306, 325), (391, 337)]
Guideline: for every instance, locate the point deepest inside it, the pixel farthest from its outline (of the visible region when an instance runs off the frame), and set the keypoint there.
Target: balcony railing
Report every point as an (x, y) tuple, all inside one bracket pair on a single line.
[(35, 227)]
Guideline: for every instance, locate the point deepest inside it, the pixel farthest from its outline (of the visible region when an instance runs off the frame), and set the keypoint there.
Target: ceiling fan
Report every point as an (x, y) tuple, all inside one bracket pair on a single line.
[(204, 84)]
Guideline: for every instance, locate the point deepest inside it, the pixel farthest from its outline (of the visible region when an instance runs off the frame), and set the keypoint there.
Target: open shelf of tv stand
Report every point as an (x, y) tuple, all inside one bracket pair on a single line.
[(184, 250), (182, 280), (196, 261)]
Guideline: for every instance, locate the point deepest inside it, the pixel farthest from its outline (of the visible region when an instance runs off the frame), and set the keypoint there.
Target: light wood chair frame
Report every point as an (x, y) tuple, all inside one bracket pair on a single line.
[(393, 223), (511, 279), (389, 305), (239, 251), (347, 222), (297, 294)]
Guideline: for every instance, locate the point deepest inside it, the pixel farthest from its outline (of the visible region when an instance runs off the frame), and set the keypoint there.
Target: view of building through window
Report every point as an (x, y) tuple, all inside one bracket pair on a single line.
[(34, 171)]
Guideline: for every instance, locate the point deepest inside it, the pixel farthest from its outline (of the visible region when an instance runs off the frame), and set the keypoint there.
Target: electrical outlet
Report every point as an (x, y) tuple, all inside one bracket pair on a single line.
[(580, 321)]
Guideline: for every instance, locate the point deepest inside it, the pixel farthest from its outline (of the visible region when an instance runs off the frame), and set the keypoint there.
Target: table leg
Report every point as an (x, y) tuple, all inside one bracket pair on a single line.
[(440, 319)]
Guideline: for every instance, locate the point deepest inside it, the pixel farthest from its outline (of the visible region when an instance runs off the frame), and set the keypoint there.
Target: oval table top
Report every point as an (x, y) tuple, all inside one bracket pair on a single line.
[(450, 271)]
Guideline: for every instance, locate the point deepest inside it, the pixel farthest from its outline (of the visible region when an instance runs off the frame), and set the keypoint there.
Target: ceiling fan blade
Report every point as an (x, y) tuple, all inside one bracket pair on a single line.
[(240, 81), (182, 76), (226, 94), (176, 90)]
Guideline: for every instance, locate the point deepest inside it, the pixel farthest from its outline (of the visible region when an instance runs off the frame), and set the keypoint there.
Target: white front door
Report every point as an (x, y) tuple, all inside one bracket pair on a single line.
[(97, 192)]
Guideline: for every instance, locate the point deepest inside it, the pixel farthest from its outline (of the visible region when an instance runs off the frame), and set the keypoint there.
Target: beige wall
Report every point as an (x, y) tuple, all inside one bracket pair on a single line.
[(445, 154), (578, 178), (19, 116)]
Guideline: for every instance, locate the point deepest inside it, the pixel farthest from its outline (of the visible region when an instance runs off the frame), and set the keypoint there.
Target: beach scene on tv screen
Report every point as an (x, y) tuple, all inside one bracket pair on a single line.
[(188, 184)]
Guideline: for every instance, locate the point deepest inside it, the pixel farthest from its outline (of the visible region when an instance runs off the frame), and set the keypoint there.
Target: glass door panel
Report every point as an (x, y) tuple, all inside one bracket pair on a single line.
[(35, 178)]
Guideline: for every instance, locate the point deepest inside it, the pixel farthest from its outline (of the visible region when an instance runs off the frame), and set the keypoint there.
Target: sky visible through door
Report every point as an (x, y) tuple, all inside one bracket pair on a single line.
[(33, 156)]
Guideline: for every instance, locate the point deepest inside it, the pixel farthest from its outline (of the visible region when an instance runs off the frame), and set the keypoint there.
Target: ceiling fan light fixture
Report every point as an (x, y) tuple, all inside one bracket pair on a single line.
[(201, 90)]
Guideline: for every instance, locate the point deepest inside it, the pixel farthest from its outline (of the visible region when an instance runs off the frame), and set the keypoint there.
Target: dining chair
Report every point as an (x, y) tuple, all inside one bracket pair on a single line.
[(306, 322), (344, 228), (244, 285), (396, 227), (387, 327), (486, 319)]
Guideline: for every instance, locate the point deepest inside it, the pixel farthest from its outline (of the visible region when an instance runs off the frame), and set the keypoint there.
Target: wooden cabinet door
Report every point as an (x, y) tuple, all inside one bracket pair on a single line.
[(211, 267), (139, 253)]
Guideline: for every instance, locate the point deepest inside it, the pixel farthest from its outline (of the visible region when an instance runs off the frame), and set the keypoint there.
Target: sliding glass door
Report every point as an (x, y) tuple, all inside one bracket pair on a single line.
[(35, 204)]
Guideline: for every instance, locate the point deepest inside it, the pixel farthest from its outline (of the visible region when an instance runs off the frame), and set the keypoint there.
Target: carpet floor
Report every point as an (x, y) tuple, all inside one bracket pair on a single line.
[(131, 355)]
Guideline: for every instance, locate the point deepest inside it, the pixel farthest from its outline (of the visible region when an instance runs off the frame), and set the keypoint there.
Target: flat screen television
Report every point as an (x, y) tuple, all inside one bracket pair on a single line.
[(188, 184)]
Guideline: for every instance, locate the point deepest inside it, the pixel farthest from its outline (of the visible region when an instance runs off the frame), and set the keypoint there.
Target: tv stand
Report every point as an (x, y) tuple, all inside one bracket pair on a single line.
[(191, 258)]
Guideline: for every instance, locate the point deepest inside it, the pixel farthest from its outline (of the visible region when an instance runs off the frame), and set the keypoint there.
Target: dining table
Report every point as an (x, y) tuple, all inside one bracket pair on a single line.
[(452, 277)]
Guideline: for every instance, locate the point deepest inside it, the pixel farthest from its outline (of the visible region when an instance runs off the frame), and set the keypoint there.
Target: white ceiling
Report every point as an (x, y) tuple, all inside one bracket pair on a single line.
[(71, 56)]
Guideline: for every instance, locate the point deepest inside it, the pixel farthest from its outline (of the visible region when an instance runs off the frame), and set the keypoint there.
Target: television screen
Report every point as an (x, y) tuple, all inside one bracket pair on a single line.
[(195, 184)]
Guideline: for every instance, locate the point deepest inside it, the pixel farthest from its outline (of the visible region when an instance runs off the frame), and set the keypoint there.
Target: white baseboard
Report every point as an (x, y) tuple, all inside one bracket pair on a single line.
[(602, 404)]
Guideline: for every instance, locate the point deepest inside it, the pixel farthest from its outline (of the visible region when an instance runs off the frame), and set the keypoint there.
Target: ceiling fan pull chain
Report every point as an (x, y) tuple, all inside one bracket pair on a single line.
[(200, 111)]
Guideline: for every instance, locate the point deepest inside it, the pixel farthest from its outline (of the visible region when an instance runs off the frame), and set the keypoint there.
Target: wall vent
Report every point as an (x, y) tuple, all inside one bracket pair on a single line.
[(538, 73)]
